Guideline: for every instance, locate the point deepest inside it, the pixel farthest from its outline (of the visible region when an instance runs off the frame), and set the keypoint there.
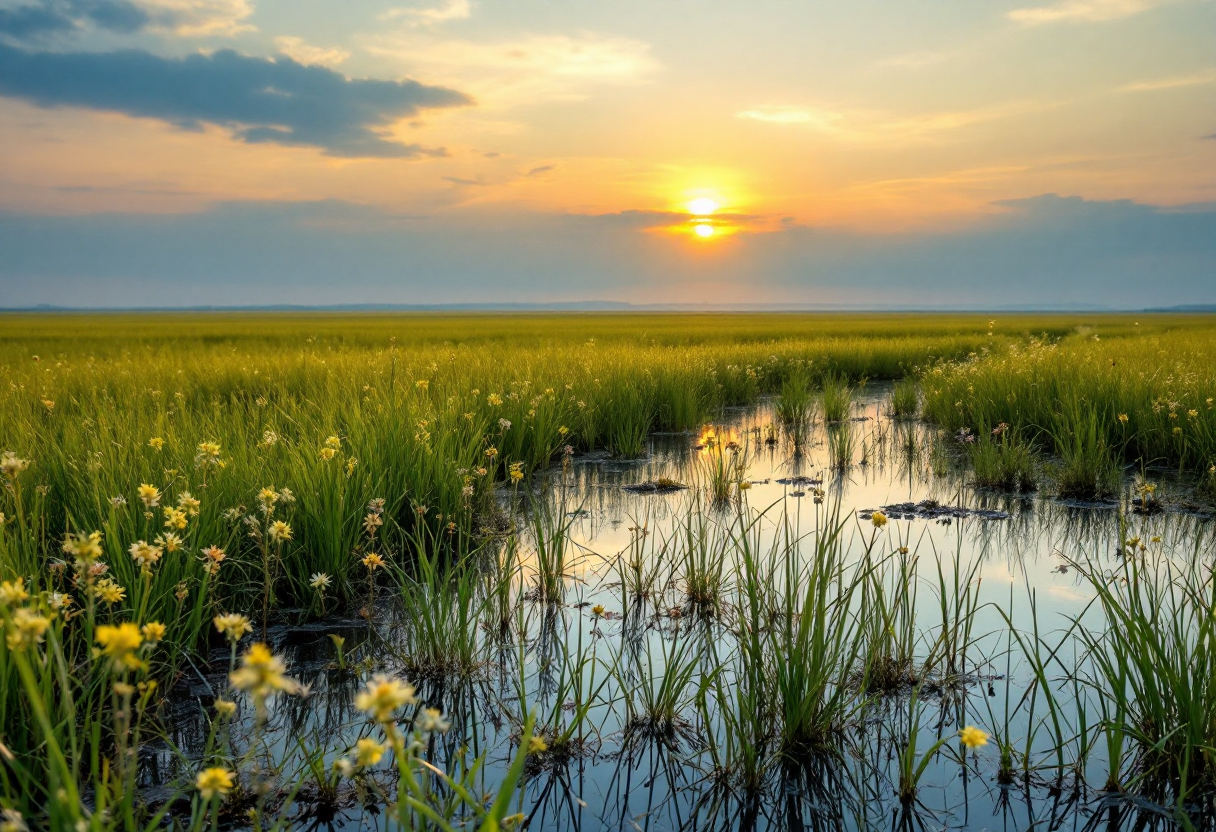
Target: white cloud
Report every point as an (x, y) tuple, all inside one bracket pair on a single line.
[(192, 18), (1083, 11), (822, 119), (868, 125), (305, 53), (450, 10), (1205, 77), (525, 70)]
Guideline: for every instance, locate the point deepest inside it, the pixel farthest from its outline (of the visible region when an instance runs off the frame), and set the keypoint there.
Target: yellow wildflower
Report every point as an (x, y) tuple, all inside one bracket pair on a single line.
[(225, 708), (878, 519), (13, 592), (85, 547), (175, 518), (262, 673), (145, 554), (187, 503), (233, 625), (597, 610), (383, 696), (156, 443), (212, 782), (109, 591), (28, 627), (537, 745), (973, 737), (153, 632), (120, 642), (368, 752), (333, 442), (327, 454), (279, 531), (320, 581), (149, 495)]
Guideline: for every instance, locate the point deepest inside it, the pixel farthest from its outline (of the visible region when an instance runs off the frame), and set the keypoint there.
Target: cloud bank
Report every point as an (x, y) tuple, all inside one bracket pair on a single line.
[(260, 100), (1039, 251)]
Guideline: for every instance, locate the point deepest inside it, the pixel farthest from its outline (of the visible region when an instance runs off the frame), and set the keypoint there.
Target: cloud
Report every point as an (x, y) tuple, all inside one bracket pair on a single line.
[(523, 70), (1083, 11), (193, 18), (38, 20), (871, 126), (823, 119), (260, 100), (307, 54), (1199, 78), (450, 10), (537, 171)]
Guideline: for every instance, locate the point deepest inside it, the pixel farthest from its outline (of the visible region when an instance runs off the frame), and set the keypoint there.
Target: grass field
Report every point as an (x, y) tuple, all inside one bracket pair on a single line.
[(163, 470)]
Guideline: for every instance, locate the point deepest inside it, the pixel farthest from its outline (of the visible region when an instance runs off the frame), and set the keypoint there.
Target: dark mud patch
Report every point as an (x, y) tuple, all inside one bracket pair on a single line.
[(933, 510)]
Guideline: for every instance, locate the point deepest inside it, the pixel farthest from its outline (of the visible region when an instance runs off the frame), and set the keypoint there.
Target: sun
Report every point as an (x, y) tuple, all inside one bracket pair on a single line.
[(704, 230), (702, 206)]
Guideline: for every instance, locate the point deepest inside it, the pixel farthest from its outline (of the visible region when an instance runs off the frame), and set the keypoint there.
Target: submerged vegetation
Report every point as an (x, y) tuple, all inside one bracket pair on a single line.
[(227, 543)]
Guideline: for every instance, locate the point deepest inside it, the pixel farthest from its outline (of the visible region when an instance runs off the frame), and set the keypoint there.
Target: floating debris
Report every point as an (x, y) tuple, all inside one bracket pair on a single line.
[(800, 480), (933, 510), (663, 485)]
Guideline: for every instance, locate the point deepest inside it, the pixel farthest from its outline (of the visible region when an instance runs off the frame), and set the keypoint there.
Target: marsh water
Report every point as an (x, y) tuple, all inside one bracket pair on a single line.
[(1005, 558)]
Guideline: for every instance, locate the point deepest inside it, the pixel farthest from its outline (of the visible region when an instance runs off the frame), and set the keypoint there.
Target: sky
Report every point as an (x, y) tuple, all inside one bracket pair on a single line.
[(996, 154)]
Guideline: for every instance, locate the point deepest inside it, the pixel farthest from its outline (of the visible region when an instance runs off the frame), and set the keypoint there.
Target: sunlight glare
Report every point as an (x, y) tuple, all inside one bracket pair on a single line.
[(705, 230), (702, 206)]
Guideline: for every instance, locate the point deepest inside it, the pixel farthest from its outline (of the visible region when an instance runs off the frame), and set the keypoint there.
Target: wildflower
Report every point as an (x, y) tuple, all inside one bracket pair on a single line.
[(537, 745), (383, 696), (11, 466), (422, 384), (279, 531), (745, 485), (169, 542), (233, 625), (504, 424), (109, 591), (351, 464), (563, 430), (973, 737), (372, 522), (878, 519), (491, 452), (494, 399), (262, 673), (27, 628), (153, 632), (267, 497), (431, 721), (175, 518), (13, 592), (213, 782), (597, 610), (1177, 431), (517, 471), (467, 491), (119, 643), (181, 592), (208, 455), (212, 557), (58, 601), (372, 561), (156, 443), (187, 503), (268, 438), (225, 708), (327, 454), (149, 495), (368, 752), (286, 496), (85, 547), (1192, 413), (319, 581), (145, 554), (333, 442), (118, 502), (12, 821)]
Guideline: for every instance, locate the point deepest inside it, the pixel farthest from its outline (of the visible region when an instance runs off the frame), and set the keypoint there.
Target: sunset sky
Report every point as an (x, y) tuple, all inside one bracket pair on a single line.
[(928, 152)]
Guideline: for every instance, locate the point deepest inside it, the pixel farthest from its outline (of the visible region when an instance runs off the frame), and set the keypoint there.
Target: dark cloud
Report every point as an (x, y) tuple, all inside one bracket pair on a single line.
[(539, 170), (37, 21), (261, 100)]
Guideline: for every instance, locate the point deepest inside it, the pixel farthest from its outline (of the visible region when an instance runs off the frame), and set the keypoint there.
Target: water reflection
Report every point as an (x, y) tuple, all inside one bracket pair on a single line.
[(647, 589)]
